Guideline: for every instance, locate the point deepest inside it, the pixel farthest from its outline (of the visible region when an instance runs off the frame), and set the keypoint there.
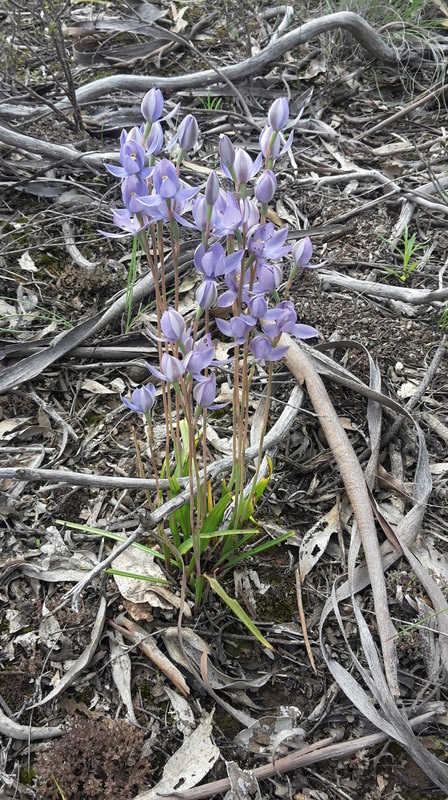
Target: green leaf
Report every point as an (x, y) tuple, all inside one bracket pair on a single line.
[(232, 532), (238, 611), (259, 549), (215, 517), (147, 578), (109, 535)]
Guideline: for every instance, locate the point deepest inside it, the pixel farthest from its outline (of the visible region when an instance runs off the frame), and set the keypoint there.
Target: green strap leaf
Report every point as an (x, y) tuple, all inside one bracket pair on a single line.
[(238, 611)]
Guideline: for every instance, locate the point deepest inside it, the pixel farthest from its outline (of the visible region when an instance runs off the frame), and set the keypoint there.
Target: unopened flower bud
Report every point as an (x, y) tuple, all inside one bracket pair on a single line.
[(172, 325), (207, 294), (212, 189), (265, 187), (302, 251), (152, 105), (226, 152), (278, 114), (188, 132)]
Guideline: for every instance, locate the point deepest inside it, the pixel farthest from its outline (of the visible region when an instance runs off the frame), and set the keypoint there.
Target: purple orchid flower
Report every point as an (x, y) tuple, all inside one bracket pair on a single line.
[(171, 369), (133, 189), (233, 282), (167, 187), (154, 140), (200, 213), (283, 319), (142, 399), (265, 242), (227, 215), (262, 350), (172, 325), (186, 135), (227, 154), (244, 167), (132, 158), (269, 276), (212, 189), (274, 145), (201, 356), (152, 107), (204, 392), (258, 306), (213, 262), (237, 328), (131, 224)]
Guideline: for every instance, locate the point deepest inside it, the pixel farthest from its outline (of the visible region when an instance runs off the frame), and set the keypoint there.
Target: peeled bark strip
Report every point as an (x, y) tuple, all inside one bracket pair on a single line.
[(353, 477)]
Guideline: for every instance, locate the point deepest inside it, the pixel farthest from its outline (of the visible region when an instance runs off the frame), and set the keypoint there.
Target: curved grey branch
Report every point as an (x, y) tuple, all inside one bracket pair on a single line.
[(367, 37)]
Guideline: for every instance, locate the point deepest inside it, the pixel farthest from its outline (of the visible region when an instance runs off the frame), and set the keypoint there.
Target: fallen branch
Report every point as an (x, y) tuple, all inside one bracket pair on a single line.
[(415, 297), (367, 37)]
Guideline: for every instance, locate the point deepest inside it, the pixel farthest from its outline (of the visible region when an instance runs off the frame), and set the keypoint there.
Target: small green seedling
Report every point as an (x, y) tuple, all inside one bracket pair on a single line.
[(405, 252), (211, 103)]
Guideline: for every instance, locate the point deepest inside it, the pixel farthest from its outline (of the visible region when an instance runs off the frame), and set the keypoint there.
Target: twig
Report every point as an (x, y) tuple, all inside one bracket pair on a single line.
[(311, 754)]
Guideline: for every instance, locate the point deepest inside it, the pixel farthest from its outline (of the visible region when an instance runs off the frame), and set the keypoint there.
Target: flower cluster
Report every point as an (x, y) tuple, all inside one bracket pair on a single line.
[(240, 259)]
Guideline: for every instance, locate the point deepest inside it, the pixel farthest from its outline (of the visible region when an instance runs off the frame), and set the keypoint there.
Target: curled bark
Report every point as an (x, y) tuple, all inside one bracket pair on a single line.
[(300, 366)]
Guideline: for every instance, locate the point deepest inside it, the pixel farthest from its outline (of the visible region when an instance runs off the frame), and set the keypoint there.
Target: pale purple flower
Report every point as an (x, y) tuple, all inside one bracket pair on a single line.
[(154, 140), (171, 369), (142, 399), (167, 191), (251, 215), (271, 142), (201, 356), (262, 350), (132, 189), (213, 262), (269, 277), (132, 158), (131, 224), (165, 179), (186, 135), (237, 328), (188, 132), (282, 319), (204, 391), (258, 306), (207, 294), (200, 212), (265, 187), (278, 114), (233, 281), (227, 214), (266, 242), (302, 251)]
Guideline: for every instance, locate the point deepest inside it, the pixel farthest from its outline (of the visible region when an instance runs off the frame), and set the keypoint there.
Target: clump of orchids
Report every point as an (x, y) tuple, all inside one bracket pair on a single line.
[(240, 264)]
